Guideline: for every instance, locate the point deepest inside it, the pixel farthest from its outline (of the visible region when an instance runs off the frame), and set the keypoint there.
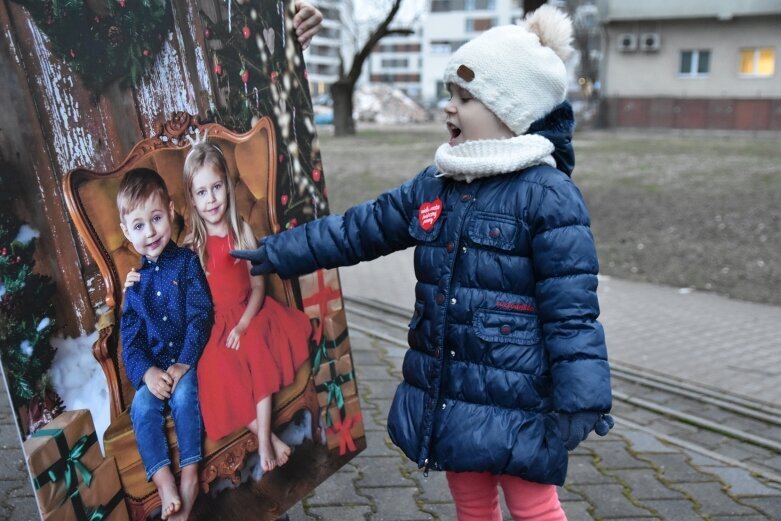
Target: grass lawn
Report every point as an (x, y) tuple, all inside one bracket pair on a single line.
[(700, 211)]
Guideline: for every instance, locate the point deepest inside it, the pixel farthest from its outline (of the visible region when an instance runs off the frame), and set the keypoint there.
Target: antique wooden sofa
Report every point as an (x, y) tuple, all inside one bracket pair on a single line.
[(91, 200)]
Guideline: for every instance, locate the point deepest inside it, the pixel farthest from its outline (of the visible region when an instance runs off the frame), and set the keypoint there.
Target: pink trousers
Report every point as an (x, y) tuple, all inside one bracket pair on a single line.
[(476, 495)]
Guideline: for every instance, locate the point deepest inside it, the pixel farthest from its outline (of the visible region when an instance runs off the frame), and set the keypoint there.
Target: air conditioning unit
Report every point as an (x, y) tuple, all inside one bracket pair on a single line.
[(650, 42), (627, 42)]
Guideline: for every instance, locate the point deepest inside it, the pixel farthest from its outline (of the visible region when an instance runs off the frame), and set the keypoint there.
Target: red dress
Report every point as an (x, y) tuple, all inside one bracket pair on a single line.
[(232, 381)]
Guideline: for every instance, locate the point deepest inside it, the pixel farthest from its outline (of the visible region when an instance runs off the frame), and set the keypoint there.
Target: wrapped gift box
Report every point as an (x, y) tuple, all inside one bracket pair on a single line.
[(103, 499), (346, 428), (62, 455), (335, 381), (320, 295), (335, 342)]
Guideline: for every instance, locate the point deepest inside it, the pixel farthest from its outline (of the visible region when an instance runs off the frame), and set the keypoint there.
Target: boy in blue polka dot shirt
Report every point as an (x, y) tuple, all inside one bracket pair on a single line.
[(166, 321)]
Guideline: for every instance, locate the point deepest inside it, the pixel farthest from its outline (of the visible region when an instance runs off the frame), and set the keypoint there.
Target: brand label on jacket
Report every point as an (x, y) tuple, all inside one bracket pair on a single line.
[(428, 213)]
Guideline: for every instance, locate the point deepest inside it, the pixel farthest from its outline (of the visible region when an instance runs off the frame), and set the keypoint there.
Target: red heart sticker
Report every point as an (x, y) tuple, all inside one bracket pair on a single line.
[(428, 213)]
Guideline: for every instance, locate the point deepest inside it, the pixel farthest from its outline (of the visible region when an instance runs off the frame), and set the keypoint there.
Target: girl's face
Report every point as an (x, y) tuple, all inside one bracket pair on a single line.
[(210, 195), (467, 119)]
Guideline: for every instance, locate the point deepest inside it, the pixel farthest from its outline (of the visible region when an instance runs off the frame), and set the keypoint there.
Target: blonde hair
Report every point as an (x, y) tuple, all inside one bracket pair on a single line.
[(138, 186), (205, 154)]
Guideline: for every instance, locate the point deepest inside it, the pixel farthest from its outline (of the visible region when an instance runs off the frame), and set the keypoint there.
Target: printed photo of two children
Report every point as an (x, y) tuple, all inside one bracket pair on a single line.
[(150, 374)]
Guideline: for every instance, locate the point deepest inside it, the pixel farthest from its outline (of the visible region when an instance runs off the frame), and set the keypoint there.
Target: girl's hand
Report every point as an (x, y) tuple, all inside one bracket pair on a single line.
[(235, 335), (132, 277), (306, 22)]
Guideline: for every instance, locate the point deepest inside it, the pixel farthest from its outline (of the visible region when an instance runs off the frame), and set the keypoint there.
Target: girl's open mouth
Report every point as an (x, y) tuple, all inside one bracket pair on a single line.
[(454, 132)]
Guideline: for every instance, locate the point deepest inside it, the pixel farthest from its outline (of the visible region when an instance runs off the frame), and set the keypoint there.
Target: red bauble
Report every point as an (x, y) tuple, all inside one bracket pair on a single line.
[(245, 76), (122, 4), (245, 32), (273, 76), (316, 175), (218, 69), (293, 223), (283, 199), (146, 52)]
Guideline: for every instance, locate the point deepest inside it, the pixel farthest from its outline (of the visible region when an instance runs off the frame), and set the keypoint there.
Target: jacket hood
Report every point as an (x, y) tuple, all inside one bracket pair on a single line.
[(557, 127)]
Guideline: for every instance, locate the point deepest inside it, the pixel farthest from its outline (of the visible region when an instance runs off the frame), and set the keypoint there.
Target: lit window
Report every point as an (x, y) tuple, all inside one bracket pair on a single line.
[(757, 61), (695, 63)]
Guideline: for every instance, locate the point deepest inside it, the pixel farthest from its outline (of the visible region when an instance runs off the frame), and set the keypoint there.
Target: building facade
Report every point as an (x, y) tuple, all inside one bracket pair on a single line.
[(448, 25), (693, 64), (334, 40), (398, 61)]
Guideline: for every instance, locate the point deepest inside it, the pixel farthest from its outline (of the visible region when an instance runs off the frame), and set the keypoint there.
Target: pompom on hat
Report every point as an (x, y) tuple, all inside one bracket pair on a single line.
[(517, 71)]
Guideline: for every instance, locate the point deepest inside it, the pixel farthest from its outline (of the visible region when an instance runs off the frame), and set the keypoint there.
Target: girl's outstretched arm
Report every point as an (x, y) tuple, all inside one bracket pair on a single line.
[(256, 297)]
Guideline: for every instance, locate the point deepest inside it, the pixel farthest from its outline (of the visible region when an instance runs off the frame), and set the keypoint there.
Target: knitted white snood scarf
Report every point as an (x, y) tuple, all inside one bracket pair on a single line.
[(488, 157)]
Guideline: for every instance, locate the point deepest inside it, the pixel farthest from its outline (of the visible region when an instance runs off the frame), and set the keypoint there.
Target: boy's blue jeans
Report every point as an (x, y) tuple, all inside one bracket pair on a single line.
[(148, 416)]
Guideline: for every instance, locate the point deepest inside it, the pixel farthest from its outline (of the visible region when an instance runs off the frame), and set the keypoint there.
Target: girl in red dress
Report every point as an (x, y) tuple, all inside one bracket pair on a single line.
[(256, 344)]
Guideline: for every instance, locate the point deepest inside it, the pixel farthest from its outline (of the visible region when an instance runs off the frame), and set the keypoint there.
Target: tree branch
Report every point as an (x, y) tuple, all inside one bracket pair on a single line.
[(380, 32)]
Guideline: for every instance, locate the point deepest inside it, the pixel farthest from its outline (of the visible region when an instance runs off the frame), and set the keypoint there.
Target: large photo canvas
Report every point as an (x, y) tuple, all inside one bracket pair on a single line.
[(158, 77)]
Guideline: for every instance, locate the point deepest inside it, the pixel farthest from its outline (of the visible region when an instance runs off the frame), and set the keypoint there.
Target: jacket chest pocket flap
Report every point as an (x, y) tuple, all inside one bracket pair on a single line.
[(507, 327), (496, 230), (429, 235)]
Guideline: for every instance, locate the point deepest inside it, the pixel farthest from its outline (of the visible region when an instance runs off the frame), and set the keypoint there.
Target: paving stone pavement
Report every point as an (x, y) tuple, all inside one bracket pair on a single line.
[(630, 474)]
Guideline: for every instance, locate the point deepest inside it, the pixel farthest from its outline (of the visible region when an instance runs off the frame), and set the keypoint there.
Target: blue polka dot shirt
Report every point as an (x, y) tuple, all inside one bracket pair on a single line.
[(167, 316)]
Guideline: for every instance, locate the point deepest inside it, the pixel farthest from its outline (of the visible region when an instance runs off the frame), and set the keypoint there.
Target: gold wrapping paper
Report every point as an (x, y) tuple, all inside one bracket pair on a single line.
[(104, 496), (44, 454), (335, 373), (344, 432)]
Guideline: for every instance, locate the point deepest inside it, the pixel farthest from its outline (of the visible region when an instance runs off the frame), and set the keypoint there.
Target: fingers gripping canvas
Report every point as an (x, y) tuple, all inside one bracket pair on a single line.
[(292, 353)]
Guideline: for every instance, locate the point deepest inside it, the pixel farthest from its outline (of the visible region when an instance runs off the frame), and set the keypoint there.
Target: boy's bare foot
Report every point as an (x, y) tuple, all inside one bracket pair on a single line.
[(268, 456), (170, 502), (188, 489), (281, 449)]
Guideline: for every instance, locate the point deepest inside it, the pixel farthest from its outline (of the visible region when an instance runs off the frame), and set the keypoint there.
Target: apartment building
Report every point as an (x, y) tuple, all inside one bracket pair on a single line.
[(398, 61), (692, 64), (448, 25), (334, 40)]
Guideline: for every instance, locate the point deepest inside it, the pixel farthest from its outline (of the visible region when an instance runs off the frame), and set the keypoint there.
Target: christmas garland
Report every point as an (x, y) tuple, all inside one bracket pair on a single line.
[(102, 48)]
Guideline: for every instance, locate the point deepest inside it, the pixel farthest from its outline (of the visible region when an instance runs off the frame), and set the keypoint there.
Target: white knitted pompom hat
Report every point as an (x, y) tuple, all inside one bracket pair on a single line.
[(517, 71)]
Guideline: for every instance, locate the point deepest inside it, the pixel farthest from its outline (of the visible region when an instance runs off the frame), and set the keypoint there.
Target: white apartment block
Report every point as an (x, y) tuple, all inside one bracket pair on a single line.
[(448, 25), (334, 40), (397, 61)]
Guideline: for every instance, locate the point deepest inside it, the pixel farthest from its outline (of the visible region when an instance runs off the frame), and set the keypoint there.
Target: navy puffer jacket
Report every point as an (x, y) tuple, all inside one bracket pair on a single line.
[(505, 331)]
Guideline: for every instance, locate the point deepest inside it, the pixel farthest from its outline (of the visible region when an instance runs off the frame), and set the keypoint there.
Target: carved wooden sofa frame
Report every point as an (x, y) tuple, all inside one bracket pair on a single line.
[(91, 200)]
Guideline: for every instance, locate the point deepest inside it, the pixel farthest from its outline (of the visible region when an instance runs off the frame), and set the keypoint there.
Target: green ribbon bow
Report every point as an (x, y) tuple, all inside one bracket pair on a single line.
[(69, 464), (335, 394), (321, 353), (98, 514)]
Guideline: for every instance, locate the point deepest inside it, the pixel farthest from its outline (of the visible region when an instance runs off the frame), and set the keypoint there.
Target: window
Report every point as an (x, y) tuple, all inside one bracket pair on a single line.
[(757, 61), (443, 6), (695, 63), (477, 5), (395, 63), (440, 48), (479, 24)]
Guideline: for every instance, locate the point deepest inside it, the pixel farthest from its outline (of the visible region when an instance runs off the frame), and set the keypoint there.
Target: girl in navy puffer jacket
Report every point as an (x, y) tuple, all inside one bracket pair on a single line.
[(508, 367)]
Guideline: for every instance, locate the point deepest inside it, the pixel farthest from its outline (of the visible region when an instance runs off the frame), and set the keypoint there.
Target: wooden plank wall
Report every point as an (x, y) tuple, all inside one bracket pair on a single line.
[(50, 124)]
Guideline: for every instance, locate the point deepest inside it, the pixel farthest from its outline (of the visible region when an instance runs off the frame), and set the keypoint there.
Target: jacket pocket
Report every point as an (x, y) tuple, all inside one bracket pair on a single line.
[(495, 230), (507, 327), (420, 234), (416, 315)]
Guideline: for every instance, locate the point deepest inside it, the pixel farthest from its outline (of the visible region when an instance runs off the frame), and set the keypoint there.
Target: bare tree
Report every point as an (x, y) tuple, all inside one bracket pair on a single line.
[(343, 89)]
